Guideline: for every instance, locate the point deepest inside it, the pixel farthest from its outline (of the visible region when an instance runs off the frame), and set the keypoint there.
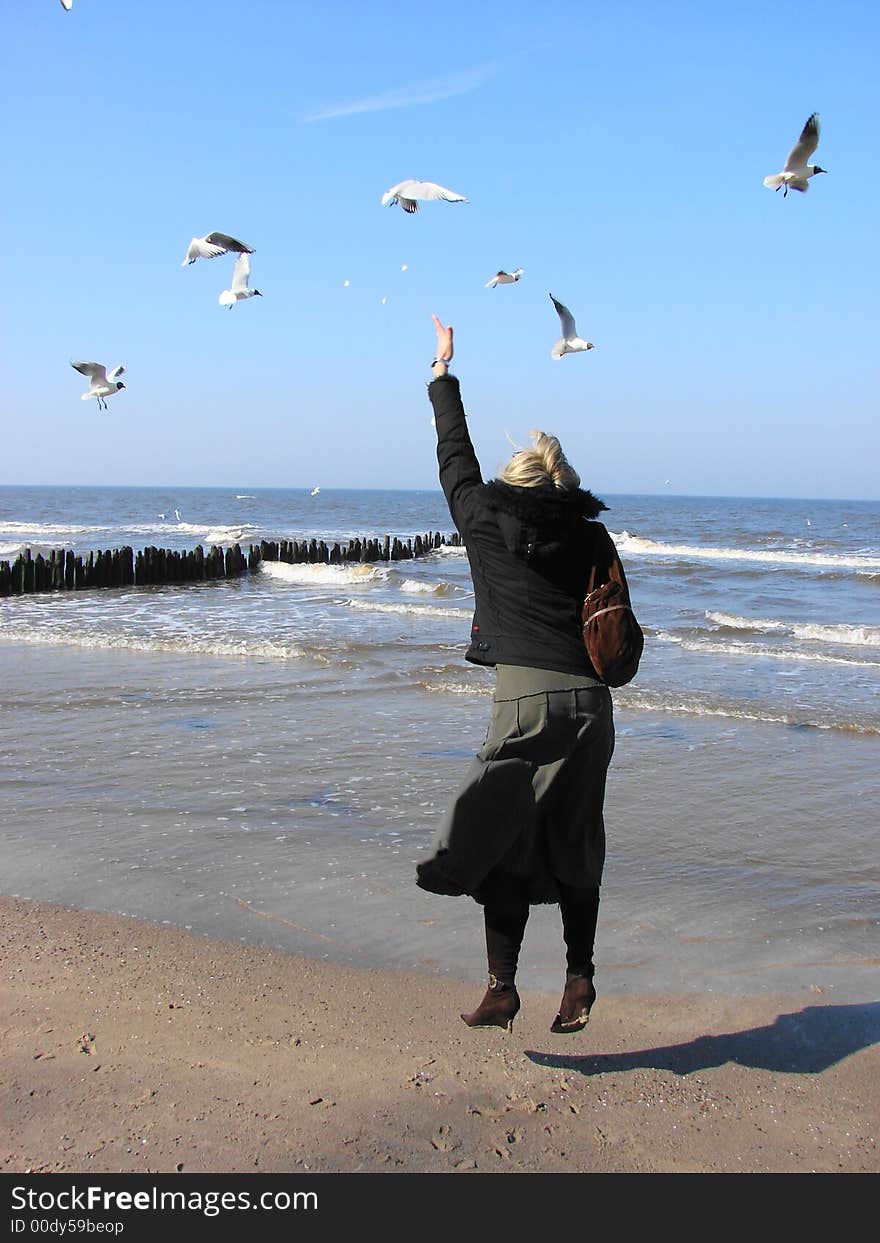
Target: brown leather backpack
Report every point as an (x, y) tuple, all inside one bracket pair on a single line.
[(612, 635)]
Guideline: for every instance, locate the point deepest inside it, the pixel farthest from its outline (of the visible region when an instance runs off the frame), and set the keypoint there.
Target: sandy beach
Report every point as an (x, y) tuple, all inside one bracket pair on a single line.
[(136, 1047)]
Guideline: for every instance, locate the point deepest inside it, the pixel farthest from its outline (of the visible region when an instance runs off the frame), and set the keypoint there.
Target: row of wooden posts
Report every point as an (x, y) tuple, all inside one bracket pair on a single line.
[(62, 570)]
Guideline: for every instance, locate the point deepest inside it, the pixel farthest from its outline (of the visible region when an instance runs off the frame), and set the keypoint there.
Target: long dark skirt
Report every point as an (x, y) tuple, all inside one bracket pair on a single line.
[(531, 804)]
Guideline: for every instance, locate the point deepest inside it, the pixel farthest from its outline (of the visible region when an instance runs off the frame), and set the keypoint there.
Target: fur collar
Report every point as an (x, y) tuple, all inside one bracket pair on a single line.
[(546, 504)]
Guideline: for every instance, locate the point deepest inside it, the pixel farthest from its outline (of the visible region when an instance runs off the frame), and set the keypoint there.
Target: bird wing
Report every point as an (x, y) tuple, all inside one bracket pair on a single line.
[(95, 371), (430, 190), (225, 242), (805, 145), (116, 372), (566, 319), (240, 274), (494, 281), (201, 248)]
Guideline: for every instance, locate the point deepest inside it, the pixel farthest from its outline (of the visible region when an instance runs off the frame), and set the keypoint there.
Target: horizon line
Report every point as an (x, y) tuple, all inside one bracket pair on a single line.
[(269, 487)]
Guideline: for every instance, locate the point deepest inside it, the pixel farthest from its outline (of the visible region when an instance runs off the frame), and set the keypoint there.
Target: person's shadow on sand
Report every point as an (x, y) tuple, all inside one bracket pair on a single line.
[(805, 1043)]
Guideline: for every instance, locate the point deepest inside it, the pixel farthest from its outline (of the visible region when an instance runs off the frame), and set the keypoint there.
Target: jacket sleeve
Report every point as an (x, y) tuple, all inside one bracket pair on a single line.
[(460, 476)]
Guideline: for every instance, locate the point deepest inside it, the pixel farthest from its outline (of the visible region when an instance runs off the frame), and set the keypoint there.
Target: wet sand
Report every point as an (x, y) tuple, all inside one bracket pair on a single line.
[(136, 1047)]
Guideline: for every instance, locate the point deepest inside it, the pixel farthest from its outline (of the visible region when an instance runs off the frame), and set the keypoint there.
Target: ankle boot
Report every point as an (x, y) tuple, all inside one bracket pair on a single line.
[(577, 1001), (499, 1007)]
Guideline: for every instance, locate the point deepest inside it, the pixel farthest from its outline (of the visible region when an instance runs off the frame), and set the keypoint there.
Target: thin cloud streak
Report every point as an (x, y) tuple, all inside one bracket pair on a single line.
[(428, 91)]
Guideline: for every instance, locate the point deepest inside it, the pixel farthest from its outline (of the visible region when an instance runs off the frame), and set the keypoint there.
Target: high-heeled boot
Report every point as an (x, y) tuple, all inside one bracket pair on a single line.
[(577, 1001), (499, 1007)]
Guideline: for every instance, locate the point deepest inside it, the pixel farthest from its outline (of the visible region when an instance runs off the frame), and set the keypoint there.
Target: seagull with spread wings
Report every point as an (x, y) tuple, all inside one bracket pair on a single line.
[(569, 342), (504, 278), (101, 385), (212, 245), (796, 174), (239, 290), (407, 192)]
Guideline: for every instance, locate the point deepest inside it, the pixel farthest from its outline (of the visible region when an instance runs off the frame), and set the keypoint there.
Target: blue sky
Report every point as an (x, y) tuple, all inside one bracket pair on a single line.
[(615, 152)]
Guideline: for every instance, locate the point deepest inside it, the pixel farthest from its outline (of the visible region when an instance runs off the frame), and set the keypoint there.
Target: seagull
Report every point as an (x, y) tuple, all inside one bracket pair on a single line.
[(177, 515), (797, 171), (504, 278), (406, 192), (569, 342), (212, 245), (101, 385), (239, 289)]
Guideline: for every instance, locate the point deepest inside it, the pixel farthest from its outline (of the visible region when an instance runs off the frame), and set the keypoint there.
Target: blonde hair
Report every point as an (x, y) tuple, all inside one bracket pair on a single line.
[(545, 463)]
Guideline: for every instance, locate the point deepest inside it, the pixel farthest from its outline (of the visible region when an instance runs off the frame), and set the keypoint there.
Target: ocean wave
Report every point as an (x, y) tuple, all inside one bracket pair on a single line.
[(449, 550), (736, 647), (229, 535), (861, 636), (454, 680), (646, 701), (194, 645), (46, 532), (413, 610), (638, 545), (320, 573), (245, 496), (417, 586)]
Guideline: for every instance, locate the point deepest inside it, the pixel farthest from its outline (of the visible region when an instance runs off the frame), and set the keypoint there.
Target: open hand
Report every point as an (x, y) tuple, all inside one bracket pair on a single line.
[(444, 340)]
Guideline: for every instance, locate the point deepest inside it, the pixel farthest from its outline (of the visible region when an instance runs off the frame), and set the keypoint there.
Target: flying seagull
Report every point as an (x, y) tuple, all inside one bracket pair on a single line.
[(406, 192), (504, 278), (569, 342), (239, 290), (796, 174), (212, 245), (101, 385)]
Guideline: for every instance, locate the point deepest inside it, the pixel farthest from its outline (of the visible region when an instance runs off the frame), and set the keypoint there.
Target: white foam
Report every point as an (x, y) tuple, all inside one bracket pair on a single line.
[(194, 645), (245, 496), (736, 647), (416, 586), (641, 701), (45, 532), (413, 610), (641, 546), (859, 636), (227, 535), (450, 550), (320, 573)]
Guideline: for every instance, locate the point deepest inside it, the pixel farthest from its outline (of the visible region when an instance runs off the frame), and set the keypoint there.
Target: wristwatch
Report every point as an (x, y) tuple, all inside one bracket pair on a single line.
[(444, 361)]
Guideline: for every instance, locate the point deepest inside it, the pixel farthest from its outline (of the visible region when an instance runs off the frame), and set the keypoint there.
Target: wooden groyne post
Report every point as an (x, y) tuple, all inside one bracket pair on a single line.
[(63, 570)]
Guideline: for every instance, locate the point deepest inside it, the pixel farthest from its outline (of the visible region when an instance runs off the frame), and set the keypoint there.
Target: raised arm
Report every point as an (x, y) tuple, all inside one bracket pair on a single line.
[(460, 476)]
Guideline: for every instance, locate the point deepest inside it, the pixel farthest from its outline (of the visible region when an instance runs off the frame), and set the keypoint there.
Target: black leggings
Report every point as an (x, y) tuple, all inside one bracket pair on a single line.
[(506, 915)]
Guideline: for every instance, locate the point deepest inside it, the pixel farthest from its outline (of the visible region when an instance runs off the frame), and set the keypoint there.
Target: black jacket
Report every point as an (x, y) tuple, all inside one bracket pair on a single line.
[(530, 552)]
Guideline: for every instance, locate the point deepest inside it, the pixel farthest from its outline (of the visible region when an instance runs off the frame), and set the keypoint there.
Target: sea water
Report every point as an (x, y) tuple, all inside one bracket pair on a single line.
[(267, 758)]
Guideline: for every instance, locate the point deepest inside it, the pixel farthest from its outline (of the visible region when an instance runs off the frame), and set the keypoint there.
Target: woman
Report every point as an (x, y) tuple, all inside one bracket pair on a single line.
[(526, 826)]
